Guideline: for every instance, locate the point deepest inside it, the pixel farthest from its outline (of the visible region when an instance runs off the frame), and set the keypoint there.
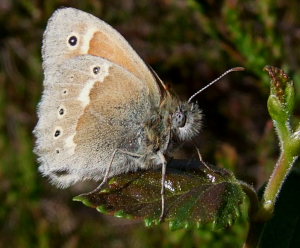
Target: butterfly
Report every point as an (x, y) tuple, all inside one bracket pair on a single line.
[(103, 111)]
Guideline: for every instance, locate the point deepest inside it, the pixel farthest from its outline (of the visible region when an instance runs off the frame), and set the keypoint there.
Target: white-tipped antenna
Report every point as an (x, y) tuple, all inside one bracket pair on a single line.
[(216, 80)]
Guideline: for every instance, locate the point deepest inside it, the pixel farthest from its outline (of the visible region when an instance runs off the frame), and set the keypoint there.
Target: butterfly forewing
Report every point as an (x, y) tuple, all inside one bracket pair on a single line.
[(71, 32)]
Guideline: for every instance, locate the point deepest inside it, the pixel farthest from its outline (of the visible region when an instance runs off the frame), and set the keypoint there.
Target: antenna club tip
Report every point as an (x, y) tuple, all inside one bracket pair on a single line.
[(239, 68)]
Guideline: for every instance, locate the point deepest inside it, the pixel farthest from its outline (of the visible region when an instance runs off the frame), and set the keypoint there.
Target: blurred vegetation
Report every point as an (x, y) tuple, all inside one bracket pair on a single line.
[(188, 43)]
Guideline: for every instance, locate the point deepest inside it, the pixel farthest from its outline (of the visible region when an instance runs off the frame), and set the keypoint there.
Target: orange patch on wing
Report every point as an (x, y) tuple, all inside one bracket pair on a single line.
[(103, 46)]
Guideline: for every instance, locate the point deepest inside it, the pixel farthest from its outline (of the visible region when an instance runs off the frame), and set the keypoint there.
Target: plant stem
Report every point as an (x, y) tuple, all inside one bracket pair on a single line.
[(275, 183), (272, 190), (280, 172)]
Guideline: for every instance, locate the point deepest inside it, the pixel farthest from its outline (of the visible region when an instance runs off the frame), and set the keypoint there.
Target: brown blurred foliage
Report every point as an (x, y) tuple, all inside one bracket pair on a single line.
[(188, 43)]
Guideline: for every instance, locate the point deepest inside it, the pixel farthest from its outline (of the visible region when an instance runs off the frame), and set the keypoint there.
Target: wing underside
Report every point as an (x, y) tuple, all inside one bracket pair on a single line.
[(84, 117)]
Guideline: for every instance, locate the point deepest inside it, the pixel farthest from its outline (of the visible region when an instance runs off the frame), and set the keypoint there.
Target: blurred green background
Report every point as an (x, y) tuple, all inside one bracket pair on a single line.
[(188, 43)]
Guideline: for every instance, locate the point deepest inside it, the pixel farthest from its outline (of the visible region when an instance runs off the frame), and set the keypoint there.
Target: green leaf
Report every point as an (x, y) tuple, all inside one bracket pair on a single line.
[(283, 230), (193, 196)]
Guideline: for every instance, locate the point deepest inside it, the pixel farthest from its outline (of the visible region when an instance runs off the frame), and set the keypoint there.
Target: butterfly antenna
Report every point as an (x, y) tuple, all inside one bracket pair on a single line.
[(159, 80), (216, 80)]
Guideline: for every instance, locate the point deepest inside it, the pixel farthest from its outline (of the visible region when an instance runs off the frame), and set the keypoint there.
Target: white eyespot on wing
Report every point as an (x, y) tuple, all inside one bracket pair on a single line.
[(61, 111), (58, 131), (73, 41)]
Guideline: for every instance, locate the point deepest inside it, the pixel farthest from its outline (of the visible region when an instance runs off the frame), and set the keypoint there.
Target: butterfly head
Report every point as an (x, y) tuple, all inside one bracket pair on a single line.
[(186, 121)]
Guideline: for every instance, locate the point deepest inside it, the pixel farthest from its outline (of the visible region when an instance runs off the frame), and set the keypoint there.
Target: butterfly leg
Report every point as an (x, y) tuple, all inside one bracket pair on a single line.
[(162, 191), (107, 170), (104, 181), (201, 160)]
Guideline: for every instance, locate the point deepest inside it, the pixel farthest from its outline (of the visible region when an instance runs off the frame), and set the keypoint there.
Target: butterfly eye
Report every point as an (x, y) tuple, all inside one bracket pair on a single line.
[(178, 119), (72, 40), (96, 69)]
